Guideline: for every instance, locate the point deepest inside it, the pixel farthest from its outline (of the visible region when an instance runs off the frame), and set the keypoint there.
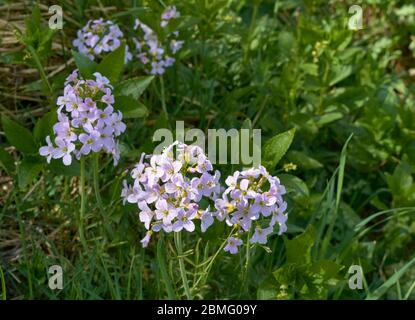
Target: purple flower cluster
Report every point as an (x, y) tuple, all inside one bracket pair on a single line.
[(87, 121), (154, 55), (168, 190), (253, 198), (98, 37)]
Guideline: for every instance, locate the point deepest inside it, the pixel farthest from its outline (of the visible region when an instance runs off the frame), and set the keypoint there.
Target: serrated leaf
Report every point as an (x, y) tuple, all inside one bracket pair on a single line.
[(276, 147), (133, 87), (112, 65), (18, 136)]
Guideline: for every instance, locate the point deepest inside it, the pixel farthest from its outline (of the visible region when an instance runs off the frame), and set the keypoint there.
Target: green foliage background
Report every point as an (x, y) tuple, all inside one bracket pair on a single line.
[(336, 110)]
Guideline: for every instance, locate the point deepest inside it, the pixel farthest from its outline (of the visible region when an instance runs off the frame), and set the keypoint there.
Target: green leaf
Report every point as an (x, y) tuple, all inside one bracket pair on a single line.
[(85, 65), (18, 136), (28, 170), (6, 161), (328, 118), (299, 248), (326, 269), (276, 147), (44, 126), (267, 292), (130, 108), (339, 73), (112, 65), (294, 184), (57, 167), (304, 161), (133, 87)]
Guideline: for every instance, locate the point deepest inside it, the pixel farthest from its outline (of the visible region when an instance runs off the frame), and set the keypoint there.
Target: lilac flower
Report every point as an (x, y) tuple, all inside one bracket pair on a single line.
[(146, 215), (98, 37), (146, 240), (253, 195), (157, 67), (63, 150), (184, 221), (166, 191), (156, 55), (206, 219), (232, 245), (170, 13), (176, 45), (165, 212), (260, 235), (47, 151), (86, 120), (108, 98), (90, 142)]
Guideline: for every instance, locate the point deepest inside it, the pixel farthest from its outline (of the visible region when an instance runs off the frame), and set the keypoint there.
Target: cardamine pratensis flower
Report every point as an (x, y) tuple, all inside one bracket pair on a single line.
[(87, 121), (98, 37), (253, 199), (169, 190), (155, 55)]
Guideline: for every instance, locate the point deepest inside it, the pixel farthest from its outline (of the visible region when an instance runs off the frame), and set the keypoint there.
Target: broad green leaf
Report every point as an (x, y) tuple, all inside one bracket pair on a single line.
[(44, 126), (299, 248), (27, 170), (304, 161), (19, 136), (294, 184), (133, 87), (276, 147), (130, 108), (327, 269), (286, 41), (57, 167), (112, 65), (85, 65), (6, 161), (339, 73)]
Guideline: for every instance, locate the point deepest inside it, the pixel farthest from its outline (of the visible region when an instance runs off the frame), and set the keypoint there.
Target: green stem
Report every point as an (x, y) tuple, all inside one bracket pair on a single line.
[(83, 203), (96, 181), (3, 285), (163, 101), (247, 258), (161, 254), (41, 72), (95, 169), (210, 264), (178, 242)]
